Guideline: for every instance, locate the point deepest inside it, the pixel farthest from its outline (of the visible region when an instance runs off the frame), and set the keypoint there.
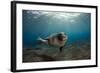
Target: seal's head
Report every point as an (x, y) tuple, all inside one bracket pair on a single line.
[(61, 36)]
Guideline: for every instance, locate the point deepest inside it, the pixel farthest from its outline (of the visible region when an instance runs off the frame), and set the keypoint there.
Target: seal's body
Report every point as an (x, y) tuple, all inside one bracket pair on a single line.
[(57, 39)]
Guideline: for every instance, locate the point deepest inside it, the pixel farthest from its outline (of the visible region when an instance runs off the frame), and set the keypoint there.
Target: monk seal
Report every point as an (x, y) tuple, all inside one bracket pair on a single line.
[(56, 39)]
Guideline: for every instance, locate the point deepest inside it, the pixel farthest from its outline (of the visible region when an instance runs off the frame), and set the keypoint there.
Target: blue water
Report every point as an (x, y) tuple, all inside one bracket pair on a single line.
[(77, 26)]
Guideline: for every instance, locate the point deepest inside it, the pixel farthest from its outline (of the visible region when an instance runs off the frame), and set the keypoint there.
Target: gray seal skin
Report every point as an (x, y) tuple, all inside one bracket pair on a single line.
[(56, 39)]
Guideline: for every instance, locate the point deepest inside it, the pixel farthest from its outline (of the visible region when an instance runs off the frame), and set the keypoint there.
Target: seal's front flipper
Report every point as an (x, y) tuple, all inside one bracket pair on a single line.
[(60, 49)]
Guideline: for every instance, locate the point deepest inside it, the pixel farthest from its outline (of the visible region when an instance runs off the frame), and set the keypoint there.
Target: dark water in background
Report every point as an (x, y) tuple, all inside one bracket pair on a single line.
[(36, 24)]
